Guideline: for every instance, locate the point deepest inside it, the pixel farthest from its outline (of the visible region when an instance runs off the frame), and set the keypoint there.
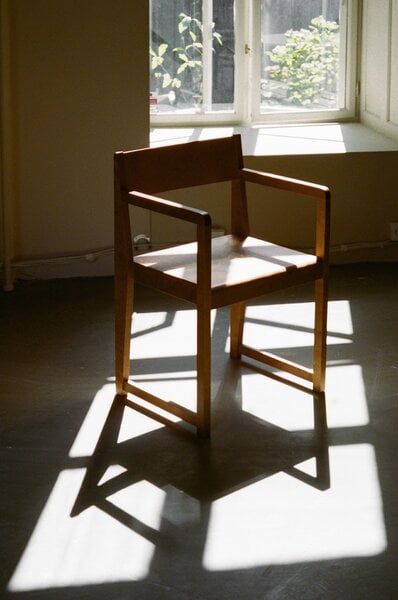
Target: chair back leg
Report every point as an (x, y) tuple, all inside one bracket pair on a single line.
[(237, 317)]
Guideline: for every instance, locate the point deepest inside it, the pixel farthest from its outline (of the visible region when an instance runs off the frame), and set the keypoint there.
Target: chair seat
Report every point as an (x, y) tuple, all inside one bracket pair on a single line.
[(234, 262)]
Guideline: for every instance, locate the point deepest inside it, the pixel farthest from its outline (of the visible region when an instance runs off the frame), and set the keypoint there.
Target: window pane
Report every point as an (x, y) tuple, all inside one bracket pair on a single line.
[(300, 58), (192, 56)]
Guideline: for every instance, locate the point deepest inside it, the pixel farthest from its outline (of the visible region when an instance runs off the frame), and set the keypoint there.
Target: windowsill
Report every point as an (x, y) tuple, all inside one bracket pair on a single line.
[(327, 138)]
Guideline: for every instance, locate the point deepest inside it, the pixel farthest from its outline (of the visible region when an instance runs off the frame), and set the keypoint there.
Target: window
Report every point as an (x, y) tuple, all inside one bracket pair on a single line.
[(252, 61)]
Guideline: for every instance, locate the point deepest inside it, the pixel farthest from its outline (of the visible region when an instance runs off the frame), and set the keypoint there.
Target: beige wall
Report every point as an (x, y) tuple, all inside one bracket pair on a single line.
[(78, 90), (379, 97), (364, 202), (75, 89)]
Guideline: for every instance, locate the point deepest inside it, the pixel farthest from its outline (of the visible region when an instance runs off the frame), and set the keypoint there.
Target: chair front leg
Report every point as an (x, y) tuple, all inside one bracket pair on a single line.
[(319, 364), (124, 290), (203, 365)]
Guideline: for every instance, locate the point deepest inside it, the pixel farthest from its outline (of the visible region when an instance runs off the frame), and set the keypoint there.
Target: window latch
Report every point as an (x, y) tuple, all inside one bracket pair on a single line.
[(248, 50)]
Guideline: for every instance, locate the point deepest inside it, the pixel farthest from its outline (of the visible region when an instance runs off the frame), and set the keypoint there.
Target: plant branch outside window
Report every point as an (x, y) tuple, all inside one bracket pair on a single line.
[(179, 70), (296, 66), (304, 70)]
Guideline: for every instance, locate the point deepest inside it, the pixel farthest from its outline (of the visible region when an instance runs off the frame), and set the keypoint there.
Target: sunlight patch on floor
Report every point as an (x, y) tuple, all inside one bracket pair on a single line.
[(276, 403), (164, 355), (290, 325), (111, 472), (87, 437), (143, 501), (176, 386), (292, 409), (93, 547), (346, 397), (133, 423), (156, 336), (279, 519), (147, 322), (282, 521)]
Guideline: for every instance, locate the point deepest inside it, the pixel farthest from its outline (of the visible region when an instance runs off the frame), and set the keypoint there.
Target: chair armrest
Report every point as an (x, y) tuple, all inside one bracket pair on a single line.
[(168, 207), (285, 183), (320, 192), (202, 220)]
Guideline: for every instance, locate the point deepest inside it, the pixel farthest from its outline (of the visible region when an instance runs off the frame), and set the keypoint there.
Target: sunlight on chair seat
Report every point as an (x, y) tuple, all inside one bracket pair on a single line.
[(232, 262), (283, 521)]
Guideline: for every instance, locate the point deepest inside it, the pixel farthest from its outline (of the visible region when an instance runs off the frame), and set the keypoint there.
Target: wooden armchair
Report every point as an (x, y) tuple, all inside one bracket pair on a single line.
[(210, 273)]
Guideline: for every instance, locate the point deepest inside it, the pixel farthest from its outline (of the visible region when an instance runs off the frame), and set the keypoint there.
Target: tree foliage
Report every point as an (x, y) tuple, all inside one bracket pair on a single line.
[(179, 69), (304, 70)]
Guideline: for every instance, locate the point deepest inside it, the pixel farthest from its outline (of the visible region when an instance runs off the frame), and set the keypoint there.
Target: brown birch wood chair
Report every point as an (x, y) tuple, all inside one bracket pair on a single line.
[(210, 273)]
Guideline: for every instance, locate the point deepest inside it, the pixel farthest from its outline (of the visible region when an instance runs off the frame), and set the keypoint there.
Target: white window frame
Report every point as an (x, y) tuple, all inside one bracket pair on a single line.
[(247, 109)]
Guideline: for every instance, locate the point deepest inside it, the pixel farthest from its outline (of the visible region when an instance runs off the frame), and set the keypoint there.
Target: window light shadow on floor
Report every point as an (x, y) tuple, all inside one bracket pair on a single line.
[(275, 486)]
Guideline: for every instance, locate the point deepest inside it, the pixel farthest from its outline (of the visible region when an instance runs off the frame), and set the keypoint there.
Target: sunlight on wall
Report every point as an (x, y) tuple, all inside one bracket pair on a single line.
[(263, 141), (289, 522), (92, 547), (322, 138), (179, 135)]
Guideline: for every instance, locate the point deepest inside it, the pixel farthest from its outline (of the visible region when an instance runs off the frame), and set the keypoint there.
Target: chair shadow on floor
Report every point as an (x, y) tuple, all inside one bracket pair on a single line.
[(243, 449)]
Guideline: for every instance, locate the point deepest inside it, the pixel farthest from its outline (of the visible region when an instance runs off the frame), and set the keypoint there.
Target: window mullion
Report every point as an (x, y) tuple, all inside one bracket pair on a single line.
[(343, 56), (207, 57), (196, 87), (255, 58)]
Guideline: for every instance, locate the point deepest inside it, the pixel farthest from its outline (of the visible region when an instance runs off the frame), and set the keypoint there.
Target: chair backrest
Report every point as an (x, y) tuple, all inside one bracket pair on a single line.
[(154, 170)]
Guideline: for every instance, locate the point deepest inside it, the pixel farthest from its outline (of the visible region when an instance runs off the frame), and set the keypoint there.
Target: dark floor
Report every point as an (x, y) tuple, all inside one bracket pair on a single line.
[(277, 506)]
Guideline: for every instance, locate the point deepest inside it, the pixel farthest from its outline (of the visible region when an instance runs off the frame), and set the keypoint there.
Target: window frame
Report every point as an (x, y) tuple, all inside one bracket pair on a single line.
[(247, 110)]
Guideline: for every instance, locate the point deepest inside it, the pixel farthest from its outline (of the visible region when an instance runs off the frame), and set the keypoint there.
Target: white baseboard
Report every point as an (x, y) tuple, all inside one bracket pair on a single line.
[(100, 263)]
